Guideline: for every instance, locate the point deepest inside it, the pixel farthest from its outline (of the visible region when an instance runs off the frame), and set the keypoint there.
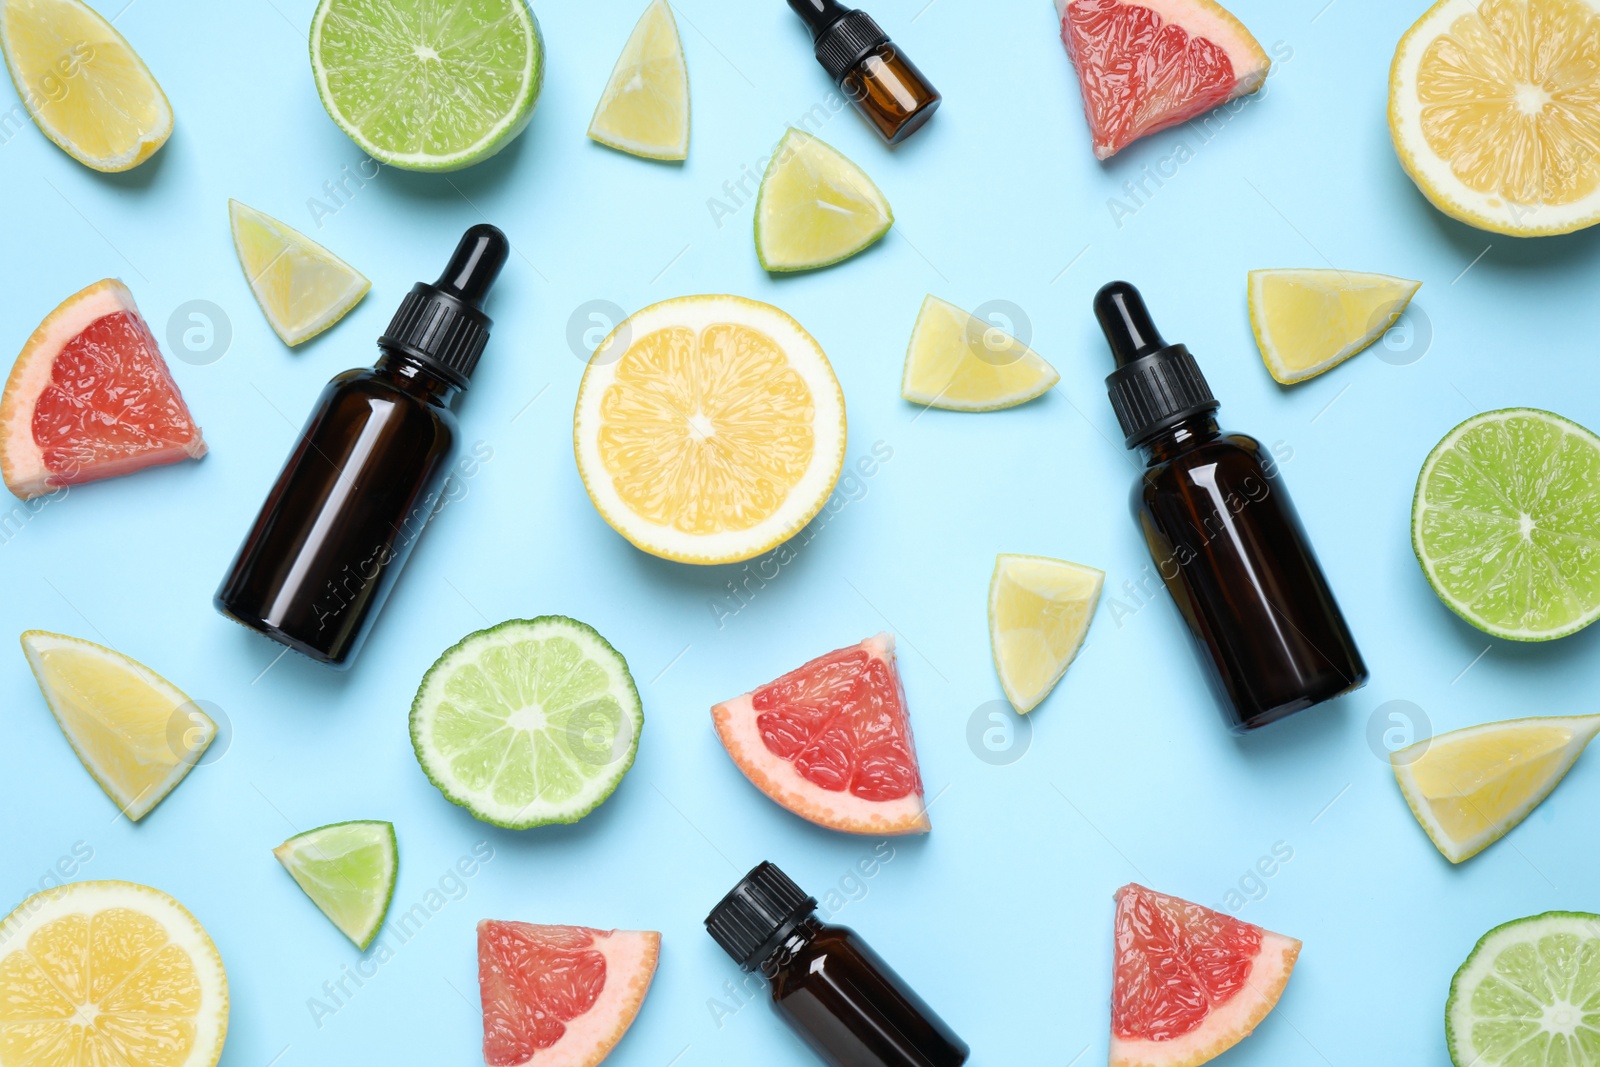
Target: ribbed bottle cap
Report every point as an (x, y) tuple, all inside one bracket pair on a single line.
[(843, 37), (443, 324), (758, 915), (1156, 385)]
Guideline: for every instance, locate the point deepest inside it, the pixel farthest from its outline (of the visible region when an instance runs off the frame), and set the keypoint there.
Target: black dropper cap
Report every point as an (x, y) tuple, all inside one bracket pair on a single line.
[(443, 324), (758, 915), (842, 35), (1156, 385)]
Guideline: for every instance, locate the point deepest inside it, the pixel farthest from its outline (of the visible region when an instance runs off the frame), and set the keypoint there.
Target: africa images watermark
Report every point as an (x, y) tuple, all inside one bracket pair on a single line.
[(51, 88), (65, 868), (743, 187)]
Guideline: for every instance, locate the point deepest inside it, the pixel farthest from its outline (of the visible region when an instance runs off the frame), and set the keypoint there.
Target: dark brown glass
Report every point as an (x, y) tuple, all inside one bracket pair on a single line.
[(346, 510), (1229, 547), (850, 1006), (891, 93)]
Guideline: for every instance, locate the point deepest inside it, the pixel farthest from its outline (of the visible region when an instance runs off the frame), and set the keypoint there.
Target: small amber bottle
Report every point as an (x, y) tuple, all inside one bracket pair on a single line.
[(1223, 533), (885, 86), (827, 984)]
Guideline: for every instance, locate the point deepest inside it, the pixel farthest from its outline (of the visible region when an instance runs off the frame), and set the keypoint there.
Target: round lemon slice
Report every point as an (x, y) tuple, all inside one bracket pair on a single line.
[(645, 107), (709, 429), (1494, 107)]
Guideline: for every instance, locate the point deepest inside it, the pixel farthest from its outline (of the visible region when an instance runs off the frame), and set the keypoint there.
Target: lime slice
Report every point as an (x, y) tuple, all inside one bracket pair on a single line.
[(348, 870), (1504, 523), (1039, 613), (815, 207), (302, 287), (428, 84), (645, 108), (1307, 321), (530, 722), (1528, 994), (1469, 787), (960, 362)]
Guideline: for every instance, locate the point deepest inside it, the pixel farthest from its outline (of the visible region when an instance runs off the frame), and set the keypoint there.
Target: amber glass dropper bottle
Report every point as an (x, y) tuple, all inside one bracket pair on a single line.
[(366, 473), (1223, 534), (885, 86)]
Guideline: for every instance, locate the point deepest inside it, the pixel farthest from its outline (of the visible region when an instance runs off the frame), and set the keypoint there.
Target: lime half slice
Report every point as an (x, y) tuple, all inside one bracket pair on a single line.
[(1528, 994), (428, 84), (815, 207), (348, 870), (1506, 523), (527, 723)]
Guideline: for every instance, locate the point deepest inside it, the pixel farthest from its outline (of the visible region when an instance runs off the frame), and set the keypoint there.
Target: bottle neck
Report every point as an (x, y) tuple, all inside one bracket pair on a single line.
[(416, 377), (791, 947), (1189, 433)]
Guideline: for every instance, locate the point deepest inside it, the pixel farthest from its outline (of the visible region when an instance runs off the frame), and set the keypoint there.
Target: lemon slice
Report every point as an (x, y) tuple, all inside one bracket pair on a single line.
[(815, 207), (1494, 109), (302, 287), (1307, 321), (83, 83), (1039, 613), (960, 362), (1469, 787), (109, 973), (709, 428), (645, 108), (136, 733)]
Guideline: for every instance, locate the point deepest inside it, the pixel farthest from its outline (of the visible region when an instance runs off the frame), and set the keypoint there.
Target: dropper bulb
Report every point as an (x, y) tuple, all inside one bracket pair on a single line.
[(475, 264), (819, 14), (1126, 323)]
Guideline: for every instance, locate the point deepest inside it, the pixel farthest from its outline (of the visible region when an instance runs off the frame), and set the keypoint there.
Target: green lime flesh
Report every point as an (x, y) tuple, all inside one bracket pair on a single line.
[(348, 869), (815, 207), (530, 722), (428, 84), (1506, 523), (1529, 995)]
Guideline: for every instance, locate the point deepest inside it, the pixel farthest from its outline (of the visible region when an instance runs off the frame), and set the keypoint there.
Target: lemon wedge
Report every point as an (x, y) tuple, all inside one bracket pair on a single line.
[(1307, 321), (645, 107), (815, 207), (302, 287), (1039, 614), (1469, 787), (136, 733), (83, 83), (960, 362), (109, 973)]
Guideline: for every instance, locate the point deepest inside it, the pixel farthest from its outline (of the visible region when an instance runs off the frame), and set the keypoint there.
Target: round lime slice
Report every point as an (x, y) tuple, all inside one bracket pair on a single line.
[(1528, 994), (530, 722), (1506, 523), (348, 870), (428, 84)]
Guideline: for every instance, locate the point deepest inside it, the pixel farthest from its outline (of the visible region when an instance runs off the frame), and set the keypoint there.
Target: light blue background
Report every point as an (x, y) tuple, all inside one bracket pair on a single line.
[(1001, 917)]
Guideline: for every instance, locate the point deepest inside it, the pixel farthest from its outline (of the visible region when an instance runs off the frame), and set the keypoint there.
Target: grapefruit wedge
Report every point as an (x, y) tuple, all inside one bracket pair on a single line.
[(1189, 982), (560, 996), (90, 397), (1146, 66), (831, 742)]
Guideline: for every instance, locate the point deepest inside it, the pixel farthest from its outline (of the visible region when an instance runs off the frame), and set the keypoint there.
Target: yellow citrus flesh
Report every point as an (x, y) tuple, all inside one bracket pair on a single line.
[(960, 362), (302, 287), (1039, 614), (1308, 321), (83, 84), (645, 107)]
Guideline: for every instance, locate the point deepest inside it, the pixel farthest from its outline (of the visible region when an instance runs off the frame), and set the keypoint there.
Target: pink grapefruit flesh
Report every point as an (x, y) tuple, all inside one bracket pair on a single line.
[(831, 742), (560, 996), (1189, 982), (1146, 66), (90, 397)]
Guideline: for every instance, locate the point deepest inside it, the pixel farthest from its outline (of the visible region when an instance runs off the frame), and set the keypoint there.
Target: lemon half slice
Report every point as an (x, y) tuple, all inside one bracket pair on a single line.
[(1308, 321), (302, 287), (1039, 614), (960, 362), (645, 107)]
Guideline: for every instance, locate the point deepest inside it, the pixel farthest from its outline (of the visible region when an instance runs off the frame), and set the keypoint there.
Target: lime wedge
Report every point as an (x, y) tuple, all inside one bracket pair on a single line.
[(645, 108), (1308, 321), (815, 207), (348, 870), (527, 723), (428, 84), (302, 287), (1528, 994), (1504, 523), (960, 362), (1039, 614)]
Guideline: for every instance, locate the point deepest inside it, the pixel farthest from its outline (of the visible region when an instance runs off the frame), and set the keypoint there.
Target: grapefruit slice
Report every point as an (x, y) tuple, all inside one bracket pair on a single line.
[(90, 397), (1189, 983), (1146, 66), (560, 996), (831, 742)]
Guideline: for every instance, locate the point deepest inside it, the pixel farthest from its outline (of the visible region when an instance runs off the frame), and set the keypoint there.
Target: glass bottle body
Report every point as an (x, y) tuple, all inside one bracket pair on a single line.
[(890, 93)]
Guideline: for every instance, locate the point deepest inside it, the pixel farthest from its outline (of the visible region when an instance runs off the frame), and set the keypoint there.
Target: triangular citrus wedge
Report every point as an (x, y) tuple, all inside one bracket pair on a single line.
[(645, 107), (1189, 983), (1307, 321), (1039, 614), (815, 207), (1469, 787), (960, 362), (348, 870), (302, 287), (136, 733)]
